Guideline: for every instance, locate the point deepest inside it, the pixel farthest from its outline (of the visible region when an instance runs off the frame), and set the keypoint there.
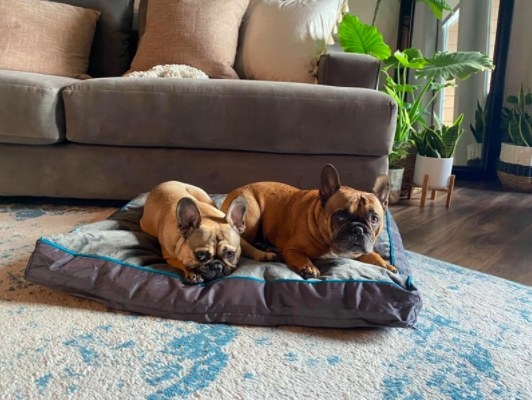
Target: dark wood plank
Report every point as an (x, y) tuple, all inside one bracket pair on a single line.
[(486, 229)]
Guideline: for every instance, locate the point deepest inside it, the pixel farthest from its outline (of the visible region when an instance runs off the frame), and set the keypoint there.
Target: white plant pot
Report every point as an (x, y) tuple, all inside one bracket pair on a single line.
[(474, 151), (438, 169), (517, 155), (396, 181)]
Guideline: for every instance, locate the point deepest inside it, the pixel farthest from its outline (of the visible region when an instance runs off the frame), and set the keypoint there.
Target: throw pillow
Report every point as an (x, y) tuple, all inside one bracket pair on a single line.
[(282, 40), (46, 37), (111, 47), (199, 33)]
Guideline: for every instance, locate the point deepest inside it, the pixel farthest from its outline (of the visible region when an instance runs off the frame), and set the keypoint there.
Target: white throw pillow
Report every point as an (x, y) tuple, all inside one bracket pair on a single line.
[(282, 40)]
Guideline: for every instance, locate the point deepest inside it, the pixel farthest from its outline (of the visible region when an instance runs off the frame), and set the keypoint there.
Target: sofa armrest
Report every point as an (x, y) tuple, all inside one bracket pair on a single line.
[(338, 68)]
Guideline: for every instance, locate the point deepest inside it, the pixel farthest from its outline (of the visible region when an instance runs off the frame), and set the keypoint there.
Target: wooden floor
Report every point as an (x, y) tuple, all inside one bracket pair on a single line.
[(486, 228)]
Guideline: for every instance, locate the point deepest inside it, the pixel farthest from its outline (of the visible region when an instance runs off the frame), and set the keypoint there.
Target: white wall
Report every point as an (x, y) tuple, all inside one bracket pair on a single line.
[(387, 18), (519, 64)]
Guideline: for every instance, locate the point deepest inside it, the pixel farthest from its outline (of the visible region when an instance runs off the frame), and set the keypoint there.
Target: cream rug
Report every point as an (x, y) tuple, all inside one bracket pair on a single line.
[(472, 340)]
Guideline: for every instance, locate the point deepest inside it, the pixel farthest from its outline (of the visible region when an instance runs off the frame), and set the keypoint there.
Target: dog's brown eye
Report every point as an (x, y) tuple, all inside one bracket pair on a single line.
[(202, 256), (374, 219), (341, 215), (230, 255)]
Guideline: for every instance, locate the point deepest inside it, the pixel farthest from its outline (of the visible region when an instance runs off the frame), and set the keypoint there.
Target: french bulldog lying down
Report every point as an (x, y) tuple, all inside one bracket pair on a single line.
[(310, 224), (195, 236)]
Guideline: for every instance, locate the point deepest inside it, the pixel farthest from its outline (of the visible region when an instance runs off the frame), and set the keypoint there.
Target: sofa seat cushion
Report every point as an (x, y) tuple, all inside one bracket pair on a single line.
[(227, 114), (31, 107)]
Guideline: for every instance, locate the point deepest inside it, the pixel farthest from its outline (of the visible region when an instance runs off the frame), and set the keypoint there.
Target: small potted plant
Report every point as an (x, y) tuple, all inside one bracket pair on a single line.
[(515, 160), (396, 170), (435, 152), (474, 150)]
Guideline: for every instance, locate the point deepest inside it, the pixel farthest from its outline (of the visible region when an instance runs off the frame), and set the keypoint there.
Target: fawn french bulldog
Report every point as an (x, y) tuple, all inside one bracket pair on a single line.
[(195, 236)]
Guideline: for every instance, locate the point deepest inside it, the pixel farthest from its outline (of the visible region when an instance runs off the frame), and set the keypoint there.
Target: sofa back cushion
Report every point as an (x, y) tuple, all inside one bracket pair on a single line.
[(111, 49), (199, 33), (46, 37)]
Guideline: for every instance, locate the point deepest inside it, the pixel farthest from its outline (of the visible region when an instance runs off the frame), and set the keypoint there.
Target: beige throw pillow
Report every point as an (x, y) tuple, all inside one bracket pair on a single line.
[(46, 37), (282, 40), (199, 33)]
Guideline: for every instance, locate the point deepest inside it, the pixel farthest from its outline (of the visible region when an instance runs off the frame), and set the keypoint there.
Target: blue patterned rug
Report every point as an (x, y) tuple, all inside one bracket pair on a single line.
[(472, 340)]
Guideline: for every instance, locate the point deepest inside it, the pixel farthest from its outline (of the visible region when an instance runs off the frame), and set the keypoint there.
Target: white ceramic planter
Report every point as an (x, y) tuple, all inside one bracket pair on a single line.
[(474, 151), (396, 181), (438, 169), (518, 155)]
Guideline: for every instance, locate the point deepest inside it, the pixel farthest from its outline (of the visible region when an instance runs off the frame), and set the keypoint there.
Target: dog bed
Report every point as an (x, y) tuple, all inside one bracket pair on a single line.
[(115, 262)]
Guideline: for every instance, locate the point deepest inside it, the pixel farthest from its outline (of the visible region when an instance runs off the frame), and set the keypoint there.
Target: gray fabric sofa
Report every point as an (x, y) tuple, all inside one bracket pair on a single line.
[(112, 138)]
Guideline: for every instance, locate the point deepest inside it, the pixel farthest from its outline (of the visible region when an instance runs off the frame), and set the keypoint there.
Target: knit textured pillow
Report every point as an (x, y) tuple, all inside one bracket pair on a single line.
[(199, 33), (46, 37)]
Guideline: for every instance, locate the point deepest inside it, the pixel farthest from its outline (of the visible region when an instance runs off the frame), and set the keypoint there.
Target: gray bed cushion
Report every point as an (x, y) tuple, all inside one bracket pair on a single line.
[(114, 262)]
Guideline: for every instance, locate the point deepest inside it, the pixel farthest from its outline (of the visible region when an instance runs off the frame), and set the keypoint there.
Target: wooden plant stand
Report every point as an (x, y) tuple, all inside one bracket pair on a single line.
[(425, 189)]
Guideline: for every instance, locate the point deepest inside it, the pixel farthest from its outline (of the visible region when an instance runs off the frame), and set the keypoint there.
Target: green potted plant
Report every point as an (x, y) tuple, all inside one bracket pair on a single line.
[(474, 150), (396, 169), (411, 79), (436, 146), (515, 160)]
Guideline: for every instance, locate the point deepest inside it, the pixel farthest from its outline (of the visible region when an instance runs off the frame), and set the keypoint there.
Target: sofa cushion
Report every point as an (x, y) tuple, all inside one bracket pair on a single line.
[(46, 37), (227, 114), (111, 49), (199, 33), (282, 40), (31, 107)]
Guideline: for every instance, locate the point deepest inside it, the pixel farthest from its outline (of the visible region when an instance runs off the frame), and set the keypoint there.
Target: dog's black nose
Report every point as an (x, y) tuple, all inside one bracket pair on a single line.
[(357, 230)]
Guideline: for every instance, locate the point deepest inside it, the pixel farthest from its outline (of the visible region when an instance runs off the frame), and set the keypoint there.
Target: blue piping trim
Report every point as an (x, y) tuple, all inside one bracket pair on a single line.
[(156, 271), (390, 238)]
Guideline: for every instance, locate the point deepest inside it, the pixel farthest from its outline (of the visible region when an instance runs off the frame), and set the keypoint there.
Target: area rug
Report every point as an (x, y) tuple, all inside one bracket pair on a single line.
[(471, 341)]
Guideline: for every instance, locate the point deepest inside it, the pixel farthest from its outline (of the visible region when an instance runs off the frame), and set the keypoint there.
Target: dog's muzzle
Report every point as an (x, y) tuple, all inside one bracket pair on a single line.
[(354, 237), (213, 270)]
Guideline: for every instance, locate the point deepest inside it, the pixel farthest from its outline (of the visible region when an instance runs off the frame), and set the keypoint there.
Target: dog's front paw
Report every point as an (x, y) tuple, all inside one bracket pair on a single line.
[(391, 268), (266, 256), (193, 278), (309, 271)]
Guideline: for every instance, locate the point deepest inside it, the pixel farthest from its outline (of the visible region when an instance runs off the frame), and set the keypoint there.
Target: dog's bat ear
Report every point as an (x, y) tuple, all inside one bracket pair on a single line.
[(381, 189), (188, 215), (236, 214), (329, 183)]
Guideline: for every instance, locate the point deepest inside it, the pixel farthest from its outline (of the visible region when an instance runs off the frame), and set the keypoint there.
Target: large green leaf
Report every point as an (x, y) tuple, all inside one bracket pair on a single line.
[(408, 58), (437, 7), (357, 37), (460, 64)]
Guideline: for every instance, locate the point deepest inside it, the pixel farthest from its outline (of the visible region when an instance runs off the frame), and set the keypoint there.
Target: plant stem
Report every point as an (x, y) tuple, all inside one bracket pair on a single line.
[(376, 12)]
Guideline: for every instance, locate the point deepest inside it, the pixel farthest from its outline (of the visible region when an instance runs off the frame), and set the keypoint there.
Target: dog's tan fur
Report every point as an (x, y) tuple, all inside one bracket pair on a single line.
[(300, 222), (187, 223)]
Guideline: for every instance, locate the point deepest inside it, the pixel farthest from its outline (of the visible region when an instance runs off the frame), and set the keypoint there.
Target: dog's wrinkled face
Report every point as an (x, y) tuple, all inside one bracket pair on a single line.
[(209, 246), (356, 220), (355, 217)]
